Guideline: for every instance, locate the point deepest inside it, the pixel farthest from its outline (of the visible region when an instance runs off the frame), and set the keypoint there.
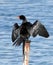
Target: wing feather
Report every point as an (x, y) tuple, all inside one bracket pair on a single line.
[(15, 32), (38, 29)]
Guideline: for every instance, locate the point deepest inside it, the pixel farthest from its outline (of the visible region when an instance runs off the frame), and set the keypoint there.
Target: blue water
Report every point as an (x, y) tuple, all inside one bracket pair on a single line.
[(41, 51)]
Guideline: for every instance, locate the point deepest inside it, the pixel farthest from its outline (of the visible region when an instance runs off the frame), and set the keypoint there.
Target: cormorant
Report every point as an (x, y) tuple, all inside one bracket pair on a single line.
[(21, 33)]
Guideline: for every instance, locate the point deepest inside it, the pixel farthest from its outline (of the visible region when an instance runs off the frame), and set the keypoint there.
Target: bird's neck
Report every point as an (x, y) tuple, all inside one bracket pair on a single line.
[(24, 21)]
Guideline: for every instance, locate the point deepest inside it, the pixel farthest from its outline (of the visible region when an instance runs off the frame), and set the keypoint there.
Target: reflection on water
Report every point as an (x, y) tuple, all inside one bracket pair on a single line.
[(41, 51)]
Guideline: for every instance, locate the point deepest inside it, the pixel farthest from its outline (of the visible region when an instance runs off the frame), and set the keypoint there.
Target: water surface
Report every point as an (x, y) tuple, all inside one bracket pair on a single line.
[(41, 51)]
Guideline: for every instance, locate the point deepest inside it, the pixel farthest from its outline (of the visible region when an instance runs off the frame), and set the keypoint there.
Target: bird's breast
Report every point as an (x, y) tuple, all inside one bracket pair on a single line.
[(23, 31)]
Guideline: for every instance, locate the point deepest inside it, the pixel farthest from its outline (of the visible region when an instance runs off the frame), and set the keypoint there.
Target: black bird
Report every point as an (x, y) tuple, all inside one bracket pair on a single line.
[(22, 33)]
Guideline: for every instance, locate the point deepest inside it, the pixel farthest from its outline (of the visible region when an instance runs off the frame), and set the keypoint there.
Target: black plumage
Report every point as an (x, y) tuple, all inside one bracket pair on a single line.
[(21, 33)]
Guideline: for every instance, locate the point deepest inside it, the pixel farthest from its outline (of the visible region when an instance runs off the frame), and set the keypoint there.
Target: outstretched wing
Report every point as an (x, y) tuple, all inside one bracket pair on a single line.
[(38, 28), (15, 32), (16, 38)]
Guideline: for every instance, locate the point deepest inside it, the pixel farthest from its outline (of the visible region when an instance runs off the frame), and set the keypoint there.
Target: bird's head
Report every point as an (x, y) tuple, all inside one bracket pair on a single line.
[(22, 17)]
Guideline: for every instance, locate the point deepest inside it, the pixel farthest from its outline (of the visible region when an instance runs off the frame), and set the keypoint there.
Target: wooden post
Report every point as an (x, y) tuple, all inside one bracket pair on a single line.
[(26, 53)]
